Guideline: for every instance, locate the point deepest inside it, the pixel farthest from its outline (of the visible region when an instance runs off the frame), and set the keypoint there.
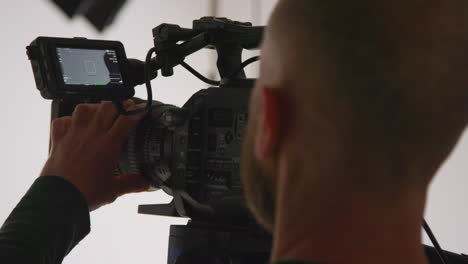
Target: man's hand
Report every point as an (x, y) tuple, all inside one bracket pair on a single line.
[(85, 149)]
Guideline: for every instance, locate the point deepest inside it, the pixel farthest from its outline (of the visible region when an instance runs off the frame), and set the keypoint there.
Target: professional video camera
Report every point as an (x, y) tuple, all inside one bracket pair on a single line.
[(192, 152)]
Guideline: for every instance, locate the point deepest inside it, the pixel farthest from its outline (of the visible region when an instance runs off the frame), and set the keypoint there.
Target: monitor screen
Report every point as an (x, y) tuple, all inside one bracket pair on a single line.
[(89, 67)]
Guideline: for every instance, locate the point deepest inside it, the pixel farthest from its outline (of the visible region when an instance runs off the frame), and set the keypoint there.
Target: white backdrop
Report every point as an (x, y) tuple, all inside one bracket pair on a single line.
[(119, 234)]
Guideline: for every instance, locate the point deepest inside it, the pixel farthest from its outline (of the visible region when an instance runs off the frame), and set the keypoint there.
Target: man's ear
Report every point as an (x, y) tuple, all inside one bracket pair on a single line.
[(271, 123)]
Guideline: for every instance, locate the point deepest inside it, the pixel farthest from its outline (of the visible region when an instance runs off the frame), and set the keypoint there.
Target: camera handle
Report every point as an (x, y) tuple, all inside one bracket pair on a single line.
[(230, 60), (228, 37)]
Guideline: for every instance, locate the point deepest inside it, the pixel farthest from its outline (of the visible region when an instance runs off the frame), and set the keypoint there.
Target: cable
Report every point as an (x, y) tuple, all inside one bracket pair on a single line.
[(440, 252), (149, 90), (199, 75), (213, 82), (249, 61), (244, 64)]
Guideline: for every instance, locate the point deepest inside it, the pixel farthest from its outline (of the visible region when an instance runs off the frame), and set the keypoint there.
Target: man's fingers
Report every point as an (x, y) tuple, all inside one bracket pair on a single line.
[(59, 128), (128, 103), (106, 115), (125, 124), (84, 114), (131, 183)]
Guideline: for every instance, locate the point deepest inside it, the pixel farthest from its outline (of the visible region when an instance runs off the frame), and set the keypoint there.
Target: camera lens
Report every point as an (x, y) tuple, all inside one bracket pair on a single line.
[(148, 151)]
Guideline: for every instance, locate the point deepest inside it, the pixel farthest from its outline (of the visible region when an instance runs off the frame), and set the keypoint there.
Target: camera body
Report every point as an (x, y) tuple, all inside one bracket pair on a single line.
[(193, 153)]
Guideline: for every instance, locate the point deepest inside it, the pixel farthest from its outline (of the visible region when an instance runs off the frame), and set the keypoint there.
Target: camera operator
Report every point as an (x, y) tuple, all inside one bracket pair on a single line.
[(357, 105)]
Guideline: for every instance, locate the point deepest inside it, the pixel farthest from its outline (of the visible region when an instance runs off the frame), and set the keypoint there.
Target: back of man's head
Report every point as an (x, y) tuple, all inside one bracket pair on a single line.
[(388, 78)]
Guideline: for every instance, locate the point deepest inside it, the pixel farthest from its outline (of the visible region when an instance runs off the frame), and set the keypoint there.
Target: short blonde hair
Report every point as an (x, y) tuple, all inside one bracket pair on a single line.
[(397, 71)]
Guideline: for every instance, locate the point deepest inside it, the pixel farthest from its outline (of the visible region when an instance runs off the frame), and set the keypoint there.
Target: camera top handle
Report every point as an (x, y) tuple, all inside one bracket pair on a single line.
[(228, 37)]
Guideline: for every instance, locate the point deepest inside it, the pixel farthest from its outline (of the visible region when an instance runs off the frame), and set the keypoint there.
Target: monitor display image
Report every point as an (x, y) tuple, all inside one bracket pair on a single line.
[(89, 67)]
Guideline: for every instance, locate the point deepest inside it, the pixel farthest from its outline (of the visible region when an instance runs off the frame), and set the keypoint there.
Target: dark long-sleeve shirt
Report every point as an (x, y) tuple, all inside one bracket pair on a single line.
[(48, 222)]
